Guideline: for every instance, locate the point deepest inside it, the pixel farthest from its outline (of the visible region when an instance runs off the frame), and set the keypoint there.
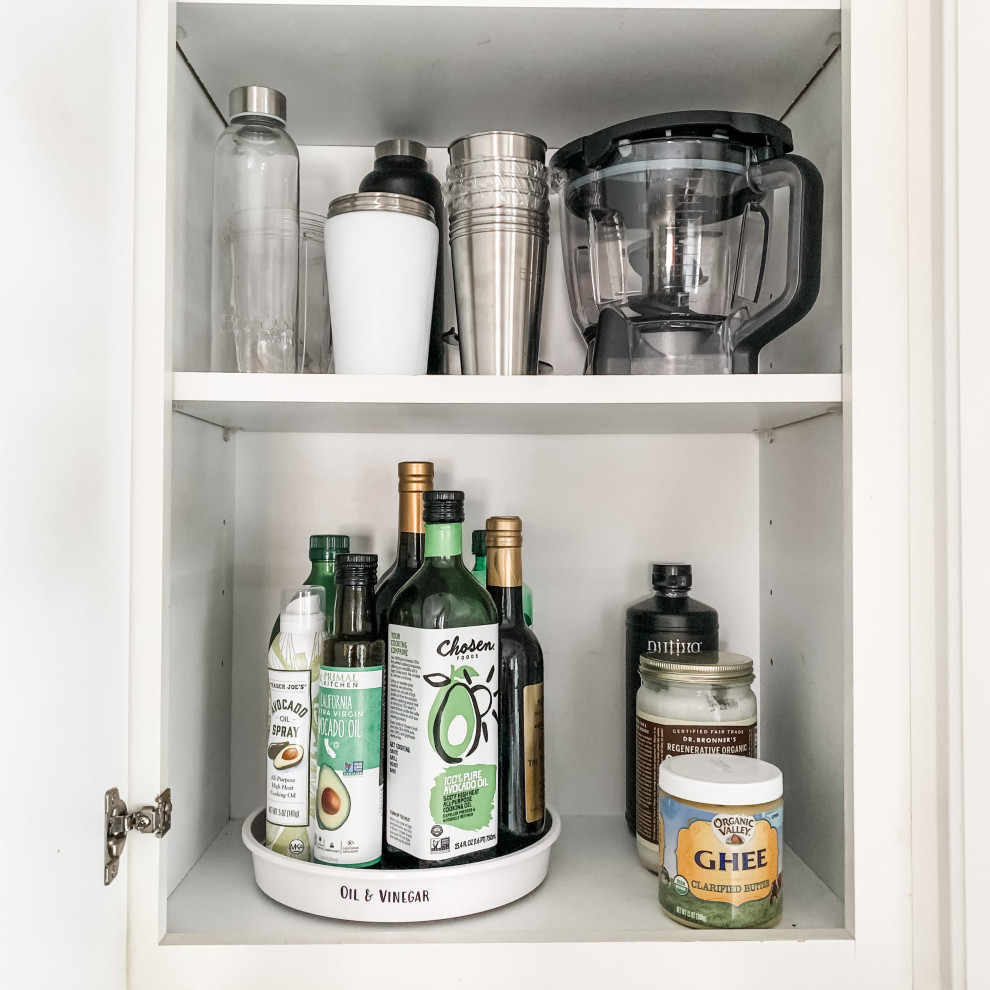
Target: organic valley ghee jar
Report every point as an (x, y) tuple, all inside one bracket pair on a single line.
[(721, 841)]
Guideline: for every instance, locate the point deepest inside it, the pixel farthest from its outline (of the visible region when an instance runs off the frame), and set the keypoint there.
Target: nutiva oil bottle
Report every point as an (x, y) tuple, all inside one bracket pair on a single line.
[(671, 624)]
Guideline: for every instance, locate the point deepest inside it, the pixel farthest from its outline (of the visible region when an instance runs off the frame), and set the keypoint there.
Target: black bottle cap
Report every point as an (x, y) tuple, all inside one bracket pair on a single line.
[(357, 568), (478, 547), (443, 507), (326, 547), (672, 577)]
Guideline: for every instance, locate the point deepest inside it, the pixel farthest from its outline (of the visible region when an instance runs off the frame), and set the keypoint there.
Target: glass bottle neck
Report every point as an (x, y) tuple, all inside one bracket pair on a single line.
[(320, 571), (354, 611), (409, 550), (509, 602), (442, 540)]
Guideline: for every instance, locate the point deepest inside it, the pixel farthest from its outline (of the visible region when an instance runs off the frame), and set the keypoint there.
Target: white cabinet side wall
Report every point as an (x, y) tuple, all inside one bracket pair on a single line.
[(596, 511), (200, 627), (195, 129), (814, 344), (802, 652)]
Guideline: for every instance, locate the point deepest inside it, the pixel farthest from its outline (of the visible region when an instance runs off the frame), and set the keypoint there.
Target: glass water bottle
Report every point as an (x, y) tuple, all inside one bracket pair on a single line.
[(255, 237)]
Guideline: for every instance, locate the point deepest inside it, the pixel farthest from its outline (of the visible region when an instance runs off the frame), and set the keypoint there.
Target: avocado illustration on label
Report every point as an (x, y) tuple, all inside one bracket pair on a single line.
[(456, 719), (288, 756), (333, 803)]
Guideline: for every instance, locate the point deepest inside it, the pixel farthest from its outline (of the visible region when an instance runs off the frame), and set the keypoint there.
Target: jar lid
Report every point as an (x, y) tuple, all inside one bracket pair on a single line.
[(712, 667), (382, 201), (710, 778)]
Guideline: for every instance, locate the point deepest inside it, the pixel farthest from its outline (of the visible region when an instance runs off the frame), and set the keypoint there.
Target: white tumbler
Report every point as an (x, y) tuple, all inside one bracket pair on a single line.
[(381, 253)]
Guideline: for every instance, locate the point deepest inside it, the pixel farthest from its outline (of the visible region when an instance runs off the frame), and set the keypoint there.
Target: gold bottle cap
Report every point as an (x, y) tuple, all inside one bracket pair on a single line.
[(415, 476), (503, 531)]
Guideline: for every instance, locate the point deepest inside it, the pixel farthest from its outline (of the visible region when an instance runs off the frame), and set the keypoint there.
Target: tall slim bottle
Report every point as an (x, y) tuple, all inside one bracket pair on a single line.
[(349, 723), (322, 553), (521, 776), (293, 667), (480, 570), (442, 794), (415, 477)]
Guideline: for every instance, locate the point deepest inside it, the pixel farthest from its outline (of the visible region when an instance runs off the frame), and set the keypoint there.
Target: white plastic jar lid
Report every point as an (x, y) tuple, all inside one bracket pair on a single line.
[(723, 780)]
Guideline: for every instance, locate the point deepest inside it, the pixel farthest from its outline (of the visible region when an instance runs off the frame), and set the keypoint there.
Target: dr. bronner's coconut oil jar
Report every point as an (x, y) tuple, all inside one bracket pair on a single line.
[(721, 841), (704, 705)]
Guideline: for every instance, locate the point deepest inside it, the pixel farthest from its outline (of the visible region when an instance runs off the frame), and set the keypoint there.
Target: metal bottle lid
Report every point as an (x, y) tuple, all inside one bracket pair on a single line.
[(400, 146), (260, 101), (714, 667), (383, 202)]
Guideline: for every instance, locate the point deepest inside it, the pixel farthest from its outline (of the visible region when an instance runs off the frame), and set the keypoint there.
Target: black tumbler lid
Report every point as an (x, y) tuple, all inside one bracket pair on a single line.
[(357, 568), (478, 547), (443, 507), (672, 577)]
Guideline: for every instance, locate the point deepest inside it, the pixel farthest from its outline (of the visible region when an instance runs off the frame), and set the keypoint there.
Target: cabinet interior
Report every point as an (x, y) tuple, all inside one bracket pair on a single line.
[(758, 514)]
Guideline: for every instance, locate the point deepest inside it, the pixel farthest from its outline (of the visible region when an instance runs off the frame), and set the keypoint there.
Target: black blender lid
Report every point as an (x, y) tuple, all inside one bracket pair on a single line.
[(770, 138)]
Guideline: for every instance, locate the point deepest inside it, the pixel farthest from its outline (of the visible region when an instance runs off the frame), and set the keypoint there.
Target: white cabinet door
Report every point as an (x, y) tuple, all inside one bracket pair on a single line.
[(65, 405)]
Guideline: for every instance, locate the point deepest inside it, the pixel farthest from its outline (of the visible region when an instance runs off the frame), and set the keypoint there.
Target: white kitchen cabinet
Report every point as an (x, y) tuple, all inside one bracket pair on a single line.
[(791, 492)]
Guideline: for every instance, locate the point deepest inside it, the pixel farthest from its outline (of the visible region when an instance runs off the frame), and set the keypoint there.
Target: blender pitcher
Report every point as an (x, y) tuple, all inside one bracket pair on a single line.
[(669, 226)]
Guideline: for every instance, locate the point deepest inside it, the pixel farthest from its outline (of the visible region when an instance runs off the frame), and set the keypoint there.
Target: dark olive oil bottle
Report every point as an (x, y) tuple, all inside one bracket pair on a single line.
[(521, 775)]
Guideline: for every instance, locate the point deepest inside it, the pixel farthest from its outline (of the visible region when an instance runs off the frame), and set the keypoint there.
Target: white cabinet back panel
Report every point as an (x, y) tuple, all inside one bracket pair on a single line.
[(596, 512)]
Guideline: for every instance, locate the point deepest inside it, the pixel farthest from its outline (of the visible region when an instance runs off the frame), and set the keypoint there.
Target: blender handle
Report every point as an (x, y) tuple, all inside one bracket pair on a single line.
[(804, 257)]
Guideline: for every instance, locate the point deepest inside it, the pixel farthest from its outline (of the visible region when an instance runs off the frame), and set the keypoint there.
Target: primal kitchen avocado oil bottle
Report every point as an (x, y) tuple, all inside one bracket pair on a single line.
[(442, 776), (349, 723), (521, 802), (415, 477), (293, 664)]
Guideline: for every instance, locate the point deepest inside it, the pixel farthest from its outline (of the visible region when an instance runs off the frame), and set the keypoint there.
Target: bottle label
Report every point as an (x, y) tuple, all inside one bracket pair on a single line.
[(293, 663), (533, 747), (720, 868), (658, 738), (348, 815), (442, 740)]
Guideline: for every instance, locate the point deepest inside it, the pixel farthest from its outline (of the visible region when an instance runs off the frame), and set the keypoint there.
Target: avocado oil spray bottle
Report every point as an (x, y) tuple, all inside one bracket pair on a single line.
[(293, 665)]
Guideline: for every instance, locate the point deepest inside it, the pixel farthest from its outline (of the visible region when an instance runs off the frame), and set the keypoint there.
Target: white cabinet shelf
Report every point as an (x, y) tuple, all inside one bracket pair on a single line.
[(528, 405), (596, 891)]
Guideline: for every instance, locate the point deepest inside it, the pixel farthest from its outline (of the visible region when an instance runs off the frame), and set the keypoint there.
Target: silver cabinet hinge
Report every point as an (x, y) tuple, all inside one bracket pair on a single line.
[(155, 819)]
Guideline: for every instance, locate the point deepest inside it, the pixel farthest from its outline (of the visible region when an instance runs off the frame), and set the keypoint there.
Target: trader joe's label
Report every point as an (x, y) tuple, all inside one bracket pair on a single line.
[(442, 740)]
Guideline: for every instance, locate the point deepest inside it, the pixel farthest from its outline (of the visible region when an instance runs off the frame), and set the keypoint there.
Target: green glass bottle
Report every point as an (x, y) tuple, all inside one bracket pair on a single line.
[(322, 551), (521, 802), (442, 793), (480, 571)]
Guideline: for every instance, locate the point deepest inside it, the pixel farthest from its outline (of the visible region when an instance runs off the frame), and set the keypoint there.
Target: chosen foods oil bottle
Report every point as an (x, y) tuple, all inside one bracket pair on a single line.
[(349, 723), (521, 803), (293, 664), (442, 793)]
